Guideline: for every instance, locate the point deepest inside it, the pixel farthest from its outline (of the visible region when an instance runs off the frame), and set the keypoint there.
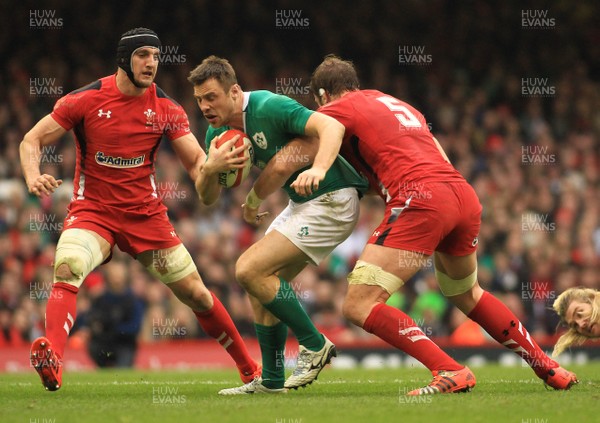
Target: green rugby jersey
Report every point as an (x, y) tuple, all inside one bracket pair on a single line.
[(271, 121)]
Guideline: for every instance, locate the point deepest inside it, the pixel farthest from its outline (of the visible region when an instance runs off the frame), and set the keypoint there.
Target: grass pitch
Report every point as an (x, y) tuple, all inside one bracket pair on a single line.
[(501, 395)]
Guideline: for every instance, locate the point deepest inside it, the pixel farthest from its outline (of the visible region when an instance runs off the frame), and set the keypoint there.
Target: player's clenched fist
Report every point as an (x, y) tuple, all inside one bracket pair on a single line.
[(44, 184)]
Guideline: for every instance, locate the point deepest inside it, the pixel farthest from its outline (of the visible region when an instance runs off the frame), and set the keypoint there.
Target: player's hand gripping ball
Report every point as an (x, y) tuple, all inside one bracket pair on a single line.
[(234, 177)]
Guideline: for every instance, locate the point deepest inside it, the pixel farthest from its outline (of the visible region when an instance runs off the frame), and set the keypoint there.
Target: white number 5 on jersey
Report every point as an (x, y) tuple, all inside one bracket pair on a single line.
[(405, 116)]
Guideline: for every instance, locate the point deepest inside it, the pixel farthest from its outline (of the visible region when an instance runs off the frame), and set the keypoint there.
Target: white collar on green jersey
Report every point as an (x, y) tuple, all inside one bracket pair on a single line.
[(245, 106), (246, 100)]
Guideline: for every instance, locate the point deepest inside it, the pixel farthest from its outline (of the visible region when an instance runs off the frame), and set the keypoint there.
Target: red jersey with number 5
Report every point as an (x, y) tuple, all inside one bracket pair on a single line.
[(389, 142), (117, 137)]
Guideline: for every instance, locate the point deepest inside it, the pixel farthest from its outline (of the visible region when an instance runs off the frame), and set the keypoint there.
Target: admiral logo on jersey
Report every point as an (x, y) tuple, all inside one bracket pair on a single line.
[(121, 162)]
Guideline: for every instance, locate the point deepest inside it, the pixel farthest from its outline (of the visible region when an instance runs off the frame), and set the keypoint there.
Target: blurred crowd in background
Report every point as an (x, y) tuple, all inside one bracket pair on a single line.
[(532, 155)]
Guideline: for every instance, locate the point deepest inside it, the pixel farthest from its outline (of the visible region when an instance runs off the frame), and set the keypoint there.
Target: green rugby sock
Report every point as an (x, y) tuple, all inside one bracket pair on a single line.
[(272, 347), (285, 307)]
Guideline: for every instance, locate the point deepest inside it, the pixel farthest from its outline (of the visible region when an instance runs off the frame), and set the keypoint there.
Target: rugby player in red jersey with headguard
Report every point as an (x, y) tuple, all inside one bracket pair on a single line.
[(430, 210), (118, 123)]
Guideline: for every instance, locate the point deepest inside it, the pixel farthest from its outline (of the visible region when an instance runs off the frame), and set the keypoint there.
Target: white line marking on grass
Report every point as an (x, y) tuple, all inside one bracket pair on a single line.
[(492, 381), (171, 382)]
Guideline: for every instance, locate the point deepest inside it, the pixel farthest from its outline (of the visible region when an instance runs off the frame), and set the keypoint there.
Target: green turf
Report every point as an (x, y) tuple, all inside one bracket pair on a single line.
[(501, 395)]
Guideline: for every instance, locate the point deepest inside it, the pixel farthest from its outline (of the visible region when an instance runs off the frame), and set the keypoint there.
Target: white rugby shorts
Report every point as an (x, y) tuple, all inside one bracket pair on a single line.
[(319, 225)]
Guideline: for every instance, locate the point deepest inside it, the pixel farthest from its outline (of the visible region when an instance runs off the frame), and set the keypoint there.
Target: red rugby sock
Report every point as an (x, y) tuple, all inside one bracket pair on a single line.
[(400, 330), (61, 311), (502, 325), (217, 323)]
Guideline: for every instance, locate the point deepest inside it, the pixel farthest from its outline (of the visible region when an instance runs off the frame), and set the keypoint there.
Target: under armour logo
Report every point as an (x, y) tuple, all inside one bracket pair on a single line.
[(70, 220), (173, 234), (101, 113), (376, 233)]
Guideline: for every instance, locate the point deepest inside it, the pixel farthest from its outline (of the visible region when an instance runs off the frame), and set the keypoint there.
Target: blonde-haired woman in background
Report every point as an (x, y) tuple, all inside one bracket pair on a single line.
[(578, 308)]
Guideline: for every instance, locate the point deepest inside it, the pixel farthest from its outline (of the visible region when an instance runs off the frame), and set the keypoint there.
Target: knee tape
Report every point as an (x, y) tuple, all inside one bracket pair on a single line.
[(451, 287), (171, 266), (80, 250), (369, 274)]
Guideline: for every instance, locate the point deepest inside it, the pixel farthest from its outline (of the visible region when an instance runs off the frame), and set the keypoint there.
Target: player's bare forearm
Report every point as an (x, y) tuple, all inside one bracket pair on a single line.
[(297, 154), (207, 185), (330, 133), (267, 183), (194, 171), (190, 154), (30, 152), (45, 132)]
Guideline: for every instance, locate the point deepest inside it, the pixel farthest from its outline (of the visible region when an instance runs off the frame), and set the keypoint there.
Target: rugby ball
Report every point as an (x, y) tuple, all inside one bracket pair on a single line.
[(234, 177)]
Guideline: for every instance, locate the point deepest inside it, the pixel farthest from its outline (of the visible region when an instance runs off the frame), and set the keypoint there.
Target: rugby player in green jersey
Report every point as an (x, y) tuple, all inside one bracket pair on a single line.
[(305, 232)]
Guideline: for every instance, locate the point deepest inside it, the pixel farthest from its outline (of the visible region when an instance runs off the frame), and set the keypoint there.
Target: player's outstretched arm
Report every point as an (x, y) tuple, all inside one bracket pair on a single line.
[(45, 132), (218, 160), (297, 154), (330, 133)]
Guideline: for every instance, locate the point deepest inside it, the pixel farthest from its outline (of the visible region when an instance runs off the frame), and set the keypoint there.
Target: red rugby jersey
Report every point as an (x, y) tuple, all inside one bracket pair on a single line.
[(117, 137), (388, 141)]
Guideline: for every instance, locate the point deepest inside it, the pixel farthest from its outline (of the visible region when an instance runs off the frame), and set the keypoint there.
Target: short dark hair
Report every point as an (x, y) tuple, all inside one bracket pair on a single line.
[(334, 75), (214, 67)]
